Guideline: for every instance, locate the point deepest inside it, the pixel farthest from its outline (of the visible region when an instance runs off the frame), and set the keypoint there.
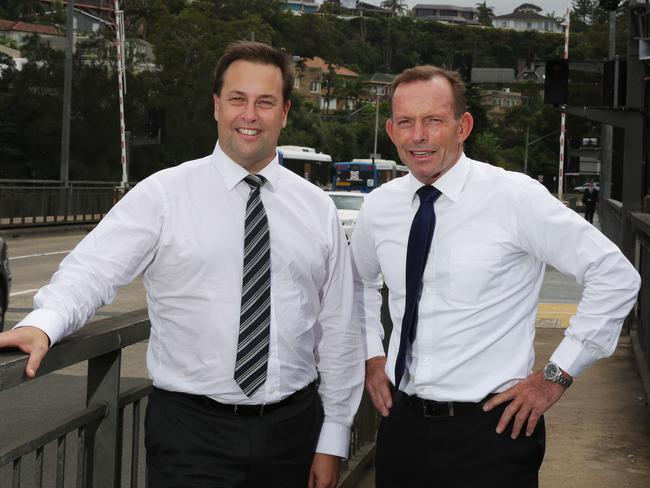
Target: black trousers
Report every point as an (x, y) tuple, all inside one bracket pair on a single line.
[(590, 208), (464, 451), (192, 444)]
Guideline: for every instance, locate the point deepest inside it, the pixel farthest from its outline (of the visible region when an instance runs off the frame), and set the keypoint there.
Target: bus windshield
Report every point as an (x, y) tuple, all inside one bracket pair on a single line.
[(355, 176)]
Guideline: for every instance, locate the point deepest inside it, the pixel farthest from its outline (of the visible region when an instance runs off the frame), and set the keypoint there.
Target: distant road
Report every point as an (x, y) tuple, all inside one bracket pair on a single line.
[(33, 261)]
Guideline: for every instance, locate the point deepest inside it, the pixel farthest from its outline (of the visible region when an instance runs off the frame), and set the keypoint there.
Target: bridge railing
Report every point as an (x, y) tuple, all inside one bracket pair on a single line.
[(42, 202), (641, 227)]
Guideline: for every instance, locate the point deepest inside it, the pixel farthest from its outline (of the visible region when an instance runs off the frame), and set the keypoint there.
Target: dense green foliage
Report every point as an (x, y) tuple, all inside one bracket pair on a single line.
[(188, 40)]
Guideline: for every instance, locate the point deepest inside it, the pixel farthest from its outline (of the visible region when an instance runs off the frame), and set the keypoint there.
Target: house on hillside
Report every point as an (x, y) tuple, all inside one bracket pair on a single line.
[(499, 102), (315, 83), (19, 31), (104, 9), (378, 85), (528, 17), (299, 7), (448, 14)]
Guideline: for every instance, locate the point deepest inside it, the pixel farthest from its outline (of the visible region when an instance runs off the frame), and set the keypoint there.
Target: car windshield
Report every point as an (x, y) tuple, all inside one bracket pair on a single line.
[(347, 202)]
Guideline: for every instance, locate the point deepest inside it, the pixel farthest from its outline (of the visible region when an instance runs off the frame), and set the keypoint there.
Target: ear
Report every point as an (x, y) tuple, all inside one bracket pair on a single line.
[(466, 126), (389, 128), (216, 107), (285, 113)]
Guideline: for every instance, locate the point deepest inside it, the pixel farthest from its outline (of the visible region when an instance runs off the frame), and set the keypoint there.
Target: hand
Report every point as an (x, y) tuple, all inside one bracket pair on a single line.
[(529, 400), (325, 470), (30, 340), (378, 385)]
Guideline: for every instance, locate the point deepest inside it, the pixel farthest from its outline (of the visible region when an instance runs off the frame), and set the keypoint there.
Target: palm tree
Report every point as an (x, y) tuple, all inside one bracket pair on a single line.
[(396, 7), (485, 13)]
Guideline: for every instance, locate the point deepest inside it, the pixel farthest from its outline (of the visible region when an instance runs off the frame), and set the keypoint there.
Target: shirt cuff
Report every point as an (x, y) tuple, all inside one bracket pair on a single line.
[(48, 321), (374, 346), (334, 439), (572, 357)]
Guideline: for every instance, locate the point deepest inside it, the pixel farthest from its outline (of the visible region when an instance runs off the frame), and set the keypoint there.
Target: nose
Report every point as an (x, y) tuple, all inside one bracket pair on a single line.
[(250, 112), (419, 132)]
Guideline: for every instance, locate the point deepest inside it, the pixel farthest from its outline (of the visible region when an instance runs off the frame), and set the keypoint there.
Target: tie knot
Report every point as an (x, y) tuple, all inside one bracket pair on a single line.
[(428, 194), (255, 181)]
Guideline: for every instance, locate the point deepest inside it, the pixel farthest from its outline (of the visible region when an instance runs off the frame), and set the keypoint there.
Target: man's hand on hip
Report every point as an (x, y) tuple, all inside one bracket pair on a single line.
[(325, 470), (30, 340), (378, 384), (529, 400)]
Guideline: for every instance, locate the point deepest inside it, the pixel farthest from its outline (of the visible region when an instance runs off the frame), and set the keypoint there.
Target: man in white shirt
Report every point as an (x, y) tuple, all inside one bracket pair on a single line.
[(249, 287), (468, 408)]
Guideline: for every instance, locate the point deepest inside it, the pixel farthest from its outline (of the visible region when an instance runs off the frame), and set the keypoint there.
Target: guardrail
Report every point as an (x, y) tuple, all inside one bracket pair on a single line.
[(100, 440), (41, 202), (641, 329)]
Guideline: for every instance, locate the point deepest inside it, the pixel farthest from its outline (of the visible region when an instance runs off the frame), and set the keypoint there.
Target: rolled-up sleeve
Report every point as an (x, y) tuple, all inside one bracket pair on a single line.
[(559, 236), (339, 351)]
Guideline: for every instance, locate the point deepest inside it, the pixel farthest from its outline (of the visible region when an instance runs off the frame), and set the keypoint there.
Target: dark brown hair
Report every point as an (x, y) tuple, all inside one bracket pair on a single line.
[(428, 72), (255, 52)]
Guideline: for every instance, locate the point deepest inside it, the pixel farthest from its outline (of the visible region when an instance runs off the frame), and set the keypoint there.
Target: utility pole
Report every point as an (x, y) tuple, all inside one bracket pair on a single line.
[(64, 174), (526, 150)]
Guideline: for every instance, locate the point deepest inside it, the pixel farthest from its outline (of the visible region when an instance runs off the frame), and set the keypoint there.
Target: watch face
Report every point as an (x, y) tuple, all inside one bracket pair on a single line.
[(551, 371)]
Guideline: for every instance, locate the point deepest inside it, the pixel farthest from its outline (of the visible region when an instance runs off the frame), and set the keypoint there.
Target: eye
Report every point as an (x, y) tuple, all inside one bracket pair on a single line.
[(236, 100), (265, 103), (403, 122)]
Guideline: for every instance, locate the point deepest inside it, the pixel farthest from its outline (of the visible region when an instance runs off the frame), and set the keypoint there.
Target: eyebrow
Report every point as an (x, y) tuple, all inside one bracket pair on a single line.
[(237, 92)]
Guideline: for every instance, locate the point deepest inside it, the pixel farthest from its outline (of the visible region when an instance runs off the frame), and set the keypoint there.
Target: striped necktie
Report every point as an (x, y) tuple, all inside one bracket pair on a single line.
[(255, 315)]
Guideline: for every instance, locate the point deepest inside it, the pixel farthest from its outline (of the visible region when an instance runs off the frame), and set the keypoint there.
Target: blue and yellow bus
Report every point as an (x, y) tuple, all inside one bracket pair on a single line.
[(364, 175)]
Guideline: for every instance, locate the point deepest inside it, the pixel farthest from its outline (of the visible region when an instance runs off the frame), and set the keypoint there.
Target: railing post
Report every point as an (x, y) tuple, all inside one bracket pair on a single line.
[(102, 438)]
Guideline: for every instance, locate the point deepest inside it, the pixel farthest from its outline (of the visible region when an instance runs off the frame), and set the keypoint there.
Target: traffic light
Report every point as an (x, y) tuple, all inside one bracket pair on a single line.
[(556, 82), (156, 123), (609, 69)]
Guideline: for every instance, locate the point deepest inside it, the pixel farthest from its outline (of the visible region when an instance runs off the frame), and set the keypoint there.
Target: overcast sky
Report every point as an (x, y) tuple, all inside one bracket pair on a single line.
[(500, 6)]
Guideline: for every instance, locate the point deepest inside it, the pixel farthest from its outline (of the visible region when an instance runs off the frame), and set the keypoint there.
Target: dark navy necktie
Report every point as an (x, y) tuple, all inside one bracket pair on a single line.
[(416, 259)]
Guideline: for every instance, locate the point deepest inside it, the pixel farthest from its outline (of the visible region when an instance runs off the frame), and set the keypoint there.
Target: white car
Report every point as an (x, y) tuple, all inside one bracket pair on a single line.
[(348, 204)]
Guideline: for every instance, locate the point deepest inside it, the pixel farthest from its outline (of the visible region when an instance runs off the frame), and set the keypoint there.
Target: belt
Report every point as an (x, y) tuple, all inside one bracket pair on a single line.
[(432, 408), (248, 410)]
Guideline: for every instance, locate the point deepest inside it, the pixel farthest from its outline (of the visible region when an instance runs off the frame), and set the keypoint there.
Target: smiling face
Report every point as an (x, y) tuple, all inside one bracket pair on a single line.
[(250, 112), (427, 134)]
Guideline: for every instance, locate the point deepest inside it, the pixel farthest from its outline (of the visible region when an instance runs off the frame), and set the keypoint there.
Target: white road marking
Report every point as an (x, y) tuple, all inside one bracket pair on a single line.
[(38, 255), (24, 292)]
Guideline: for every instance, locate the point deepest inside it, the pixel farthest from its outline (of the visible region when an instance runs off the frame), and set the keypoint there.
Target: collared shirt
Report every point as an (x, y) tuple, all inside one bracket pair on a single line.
[(184, 228), (494, 231)]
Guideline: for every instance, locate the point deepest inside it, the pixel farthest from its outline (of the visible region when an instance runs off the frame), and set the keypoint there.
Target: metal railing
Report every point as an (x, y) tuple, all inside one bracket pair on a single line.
[(43, 202), (99, 427), (641, 227)]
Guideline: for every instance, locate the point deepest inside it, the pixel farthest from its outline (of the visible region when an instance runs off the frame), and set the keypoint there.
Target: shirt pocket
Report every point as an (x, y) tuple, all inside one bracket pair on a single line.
[(475, 273)]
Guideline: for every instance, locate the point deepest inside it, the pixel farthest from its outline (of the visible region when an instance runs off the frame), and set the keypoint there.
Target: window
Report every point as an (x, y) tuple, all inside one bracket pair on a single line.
[(504, 24), (529, 25), (296, 82), (314, 87), (95, 27)]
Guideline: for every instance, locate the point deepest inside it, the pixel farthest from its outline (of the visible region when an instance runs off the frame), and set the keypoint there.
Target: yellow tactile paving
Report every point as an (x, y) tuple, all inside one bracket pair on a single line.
[(552, 315)]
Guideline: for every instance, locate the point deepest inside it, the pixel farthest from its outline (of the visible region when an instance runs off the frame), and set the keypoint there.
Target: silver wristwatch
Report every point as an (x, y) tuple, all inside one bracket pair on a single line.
[(552, 372)]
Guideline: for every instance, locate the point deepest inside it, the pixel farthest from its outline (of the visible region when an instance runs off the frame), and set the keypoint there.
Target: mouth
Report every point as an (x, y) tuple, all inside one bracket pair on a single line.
[(248, 132), (422, 154)]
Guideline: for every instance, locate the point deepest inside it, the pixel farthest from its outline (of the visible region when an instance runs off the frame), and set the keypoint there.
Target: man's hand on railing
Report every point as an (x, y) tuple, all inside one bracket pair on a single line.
[(378, 384), (30, 340)]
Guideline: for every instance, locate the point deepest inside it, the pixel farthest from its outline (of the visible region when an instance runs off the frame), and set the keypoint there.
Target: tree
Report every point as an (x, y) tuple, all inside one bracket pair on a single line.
[(396, 7), (485, 13)]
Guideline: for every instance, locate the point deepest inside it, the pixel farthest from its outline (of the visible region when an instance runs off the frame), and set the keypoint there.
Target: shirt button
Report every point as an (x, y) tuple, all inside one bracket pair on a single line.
[(425, 359), (428, 290)]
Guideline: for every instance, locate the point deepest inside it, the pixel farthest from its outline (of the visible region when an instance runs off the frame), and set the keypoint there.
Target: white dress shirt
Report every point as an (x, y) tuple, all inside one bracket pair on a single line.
[(494, 231), (184, 228)]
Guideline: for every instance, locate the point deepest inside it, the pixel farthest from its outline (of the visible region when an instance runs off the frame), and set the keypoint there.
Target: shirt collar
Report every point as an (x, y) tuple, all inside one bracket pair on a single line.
[(450, 184), (232, 173)]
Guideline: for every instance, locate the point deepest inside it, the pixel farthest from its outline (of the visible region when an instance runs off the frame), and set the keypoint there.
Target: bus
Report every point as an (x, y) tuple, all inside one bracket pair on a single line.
[(364, 175), (313, 166)]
